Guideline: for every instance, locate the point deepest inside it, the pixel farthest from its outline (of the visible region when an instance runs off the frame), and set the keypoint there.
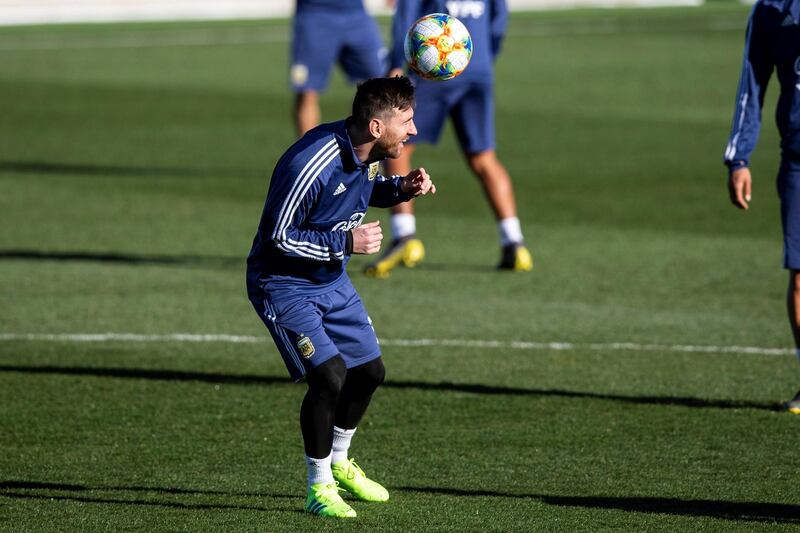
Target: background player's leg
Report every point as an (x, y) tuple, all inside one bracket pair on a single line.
[(306, 111), (496, 183), (498, 189), (405, 249), (793, 308), (473, 120), (403, 223), (788, 184), (793, 305)]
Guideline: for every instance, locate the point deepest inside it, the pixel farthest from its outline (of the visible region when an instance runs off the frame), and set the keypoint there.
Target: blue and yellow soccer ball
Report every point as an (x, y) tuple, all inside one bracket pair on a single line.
[(438, 47)]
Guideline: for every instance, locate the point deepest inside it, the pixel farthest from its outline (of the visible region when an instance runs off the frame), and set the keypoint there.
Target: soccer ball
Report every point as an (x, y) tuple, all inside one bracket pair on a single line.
[(438, 47)]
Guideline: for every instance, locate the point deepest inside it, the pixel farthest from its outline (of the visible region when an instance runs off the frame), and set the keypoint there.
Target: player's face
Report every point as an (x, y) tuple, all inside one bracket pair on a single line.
[(399, 127)]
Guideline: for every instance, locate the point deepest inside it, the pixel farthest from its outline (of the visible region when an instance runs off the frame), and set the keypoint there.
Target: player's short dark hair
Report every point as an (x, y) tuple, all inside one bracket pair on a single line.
[(378, 96)]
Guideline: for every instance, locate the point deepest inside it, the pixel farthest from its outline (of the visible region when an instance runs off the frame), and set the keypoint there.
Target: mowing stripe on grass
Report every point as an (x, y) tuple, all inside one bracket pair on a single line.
[(402, 343), (150, 39), (276, 35)]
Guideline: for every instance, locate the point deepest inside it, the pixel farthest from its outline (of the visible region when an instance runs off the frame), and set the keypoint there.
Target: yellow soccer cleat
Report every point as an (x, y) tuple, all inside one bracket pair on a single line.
[(403, 252), (323, 500), (516, 257), (351, 478), (793, 405)]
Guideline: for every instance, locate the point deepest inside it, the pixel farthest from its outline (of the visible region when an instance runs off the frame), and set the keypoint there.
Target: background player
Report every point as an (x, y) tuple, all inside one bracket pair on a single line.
[(772, 43), (326, 32), (296, 278), (469, 101)]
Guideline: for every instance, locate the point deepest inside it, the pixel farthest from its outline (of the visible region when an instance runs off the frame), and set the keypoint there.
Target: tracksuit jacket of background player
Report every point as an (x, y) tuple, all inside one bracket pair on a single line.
[(485, 20), (772, 43)]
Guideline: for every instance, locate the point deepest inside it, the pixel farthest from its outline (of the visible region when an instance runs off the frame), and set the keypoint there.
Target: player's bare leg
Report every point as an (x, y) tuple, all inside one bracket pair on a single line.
[(306, 111), (496, 183), (793, 308), (405, 249), (499, 191)]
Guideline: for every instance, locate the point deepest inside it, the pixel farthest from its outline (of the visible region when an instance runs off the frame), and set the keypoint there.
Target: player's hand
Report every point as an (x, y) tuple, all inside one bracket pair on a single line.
[(417, 183), (367, 238), (739, 187)]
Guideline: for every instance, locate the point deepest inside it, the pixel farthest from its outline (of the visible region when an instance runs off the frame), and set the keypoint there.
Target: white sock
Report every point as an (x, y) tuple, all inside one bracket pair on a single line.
[(510, 231), (403, 225), (319, 470), (341, 443)]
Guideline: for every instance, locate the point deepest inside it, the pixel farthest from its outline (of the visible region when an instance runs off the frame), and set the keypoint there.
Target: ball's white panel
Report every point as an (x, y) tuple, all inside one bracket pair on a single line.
[(427, 58), (429, 28), (459, 60)]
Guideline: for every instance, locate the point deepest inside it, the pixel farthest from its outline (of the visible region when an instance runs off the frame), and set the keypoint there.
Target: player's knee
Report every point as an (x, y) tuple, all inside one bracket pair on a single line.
[(328, 378), (794, 280), (307, 97), (372, 374), (481, 162)]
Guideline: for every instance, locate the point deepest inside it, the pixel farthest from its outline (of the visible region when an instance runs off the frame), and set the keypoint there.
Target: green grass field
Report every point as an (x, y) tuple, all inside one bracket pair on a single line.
[(134, 160)]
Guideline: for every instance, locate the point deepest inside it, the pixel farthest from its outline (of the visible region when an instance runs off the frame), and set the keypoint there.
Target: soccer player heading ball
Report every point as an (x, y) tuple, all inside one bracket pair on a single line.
[(468, 100), (296, 279)]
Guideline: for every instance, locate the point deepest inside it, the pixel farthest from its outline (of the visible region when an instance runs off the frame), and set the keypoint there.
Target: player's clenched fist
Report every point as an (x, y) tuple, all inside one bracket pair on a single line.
[(367, 238), (417, 182)]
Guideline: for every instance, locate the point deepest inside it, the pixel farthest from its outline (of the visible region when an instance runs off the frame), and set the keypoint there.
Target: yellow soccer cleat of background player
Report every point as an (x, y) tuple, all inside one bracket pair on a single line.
[(405, 252), (516, 257)]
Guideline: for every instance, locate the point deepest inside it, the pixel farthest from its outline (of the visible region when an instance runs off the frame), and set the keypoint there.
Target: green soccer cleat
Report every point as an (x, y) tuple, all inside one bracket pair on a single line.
[(516, 257), (352, 479), (406, 252), (793, 405), (323, 500)]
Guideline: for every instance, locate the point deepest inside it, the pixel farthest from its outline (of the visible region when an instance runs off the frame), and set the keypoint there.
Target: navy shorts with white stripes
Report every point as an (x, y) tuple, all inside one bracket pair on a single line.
[(310, 329)]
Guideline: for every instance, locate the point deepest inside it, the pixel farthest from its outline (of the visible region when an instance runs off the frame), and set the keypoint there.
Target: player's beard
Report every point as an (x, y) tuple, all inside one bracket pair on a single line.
[(394, 148)]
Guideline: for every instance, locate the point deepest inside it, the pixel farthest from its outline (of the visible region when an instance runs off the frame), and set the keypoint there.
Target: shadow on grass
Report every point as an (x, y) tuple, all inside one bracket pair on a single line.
[(470, 388), (457, 267), (124, 171), (127, 259), (23, 254), (452, 268), (729, 510), (44, 491), (43, 485)]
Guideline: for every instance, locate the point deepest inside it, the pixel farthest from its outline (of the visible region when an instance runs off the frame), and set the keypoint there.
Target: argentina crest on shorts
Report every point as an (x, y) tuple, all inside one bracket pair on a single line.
[(305, 346)]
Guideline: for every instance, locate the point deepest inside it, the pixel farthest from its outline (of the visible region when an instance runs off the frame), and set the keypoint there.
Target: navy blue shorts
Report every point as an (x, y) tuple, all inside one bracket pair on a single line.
[(351, 39), (789, 193), (470, 105), (309, 330)]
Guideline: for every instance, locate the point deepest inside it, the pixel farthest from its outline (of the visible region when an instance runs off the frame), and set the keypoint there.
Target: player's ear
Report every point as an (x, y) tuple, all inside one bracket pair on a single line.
[(376, 127)]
